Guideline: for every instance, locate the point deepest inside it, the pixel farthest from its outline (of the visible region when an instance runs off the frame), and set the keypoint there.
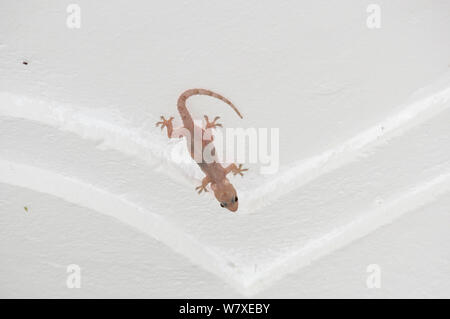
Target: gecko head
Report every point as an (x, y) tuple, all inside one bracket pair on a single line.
[(226, 195)]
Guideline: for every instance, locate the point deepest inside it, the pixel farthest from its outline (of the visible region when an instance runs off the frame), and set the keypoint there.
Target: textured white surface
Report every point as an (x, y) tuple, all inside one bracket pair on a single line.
[(363, 117), (117, 261), (413, 255)]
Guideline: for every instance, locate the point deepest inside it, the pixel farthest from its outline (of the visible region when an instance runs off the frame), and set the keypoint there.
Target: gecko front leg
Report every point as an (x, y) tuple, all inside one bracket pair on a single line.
[(235, 169), (206, 180)]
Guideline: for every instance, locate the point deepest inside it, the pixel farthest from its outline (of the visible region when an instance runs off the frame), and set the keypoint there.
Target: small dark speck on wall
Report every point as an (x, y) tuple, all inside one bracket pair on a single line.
[(25, 63)]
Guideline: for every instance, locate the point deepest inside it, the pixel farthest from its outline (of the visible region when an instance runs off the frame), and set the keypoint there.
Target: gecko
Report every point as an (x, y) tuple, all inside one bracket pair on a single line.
[(215, 173)]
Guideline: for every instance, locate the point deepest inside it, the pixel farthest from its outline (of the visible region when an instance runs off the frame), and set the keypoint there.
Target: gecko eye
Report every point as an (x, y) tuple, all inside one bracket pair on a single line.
[(235, 199), (223, 204)]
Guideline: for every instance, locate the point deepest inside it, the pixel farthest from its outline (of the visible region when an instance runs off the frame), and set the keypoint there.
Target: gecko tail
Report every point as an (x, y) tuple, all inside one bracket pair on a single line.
[(186, 94)]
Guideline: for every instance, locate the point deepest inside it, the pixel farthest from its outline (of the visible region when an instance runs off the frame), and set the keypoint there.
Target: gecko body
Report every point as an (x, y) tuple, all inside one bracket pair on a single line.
[(215, 173)]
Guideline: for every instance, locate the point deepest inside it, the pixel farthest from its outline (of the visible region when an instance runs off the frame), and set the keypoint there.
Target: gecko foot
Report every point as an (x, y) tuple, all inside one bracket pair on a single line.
[(212, 124), (239, 170), (201, 188), (165, 123)]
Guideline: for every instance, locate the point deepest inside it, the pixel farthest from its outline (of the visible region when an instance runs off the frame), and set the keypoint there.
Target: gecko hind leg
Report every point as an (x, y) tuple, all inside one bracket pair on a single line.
[(166, 123), (171, 131), (212, 124)]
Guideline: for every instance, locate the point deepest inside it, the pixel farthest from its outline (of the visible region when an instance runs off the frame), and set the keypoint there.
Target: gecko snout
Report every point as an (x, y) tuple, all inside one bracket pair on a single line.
[(226, 195), (231, 205)]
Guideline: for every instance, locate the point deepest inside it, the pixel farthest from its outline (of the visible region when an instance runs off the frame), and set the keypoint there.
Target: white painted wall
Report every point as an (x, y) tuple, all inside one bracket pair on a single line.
[(363, 117)]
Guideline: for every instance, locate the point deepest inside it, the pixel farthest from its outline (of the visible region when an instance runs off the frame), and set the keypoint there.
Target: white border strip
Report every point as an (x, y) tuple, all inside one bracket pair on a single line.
[(246, 282), (114, 133), (129, 140), (413, 199), (310, 169), (86, 195)]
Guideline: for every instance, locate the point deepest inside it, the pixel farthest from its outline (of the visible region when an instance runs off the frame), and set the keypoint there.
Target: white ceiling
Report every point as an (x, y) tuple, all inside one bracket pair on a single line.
[(363, 117)]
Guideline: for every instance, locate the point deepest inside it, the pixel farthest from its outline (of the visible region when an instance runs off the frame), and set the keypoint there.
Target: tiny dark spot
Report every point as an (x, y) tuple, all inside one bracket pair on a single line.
[(25, 63)]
